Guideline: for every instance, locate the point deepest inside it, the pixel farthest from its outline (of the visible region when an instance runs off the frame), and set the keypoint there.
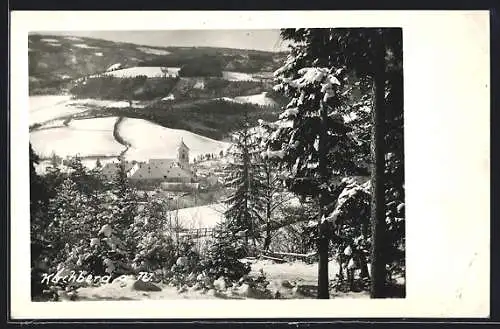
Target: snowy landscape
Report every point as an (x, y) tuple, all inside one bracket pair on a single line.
[(202, 173)]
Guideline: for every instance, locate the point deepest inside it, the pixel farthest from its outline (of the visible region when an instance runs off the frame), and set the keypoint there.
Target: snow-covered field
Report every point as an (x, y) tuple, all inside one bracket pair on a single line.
[(258, 99), (89, 137), (73, 38), (200, 217), (149, 71), (49, 40), (237, 76), (44, 108), (47, 108), (149, 140), (153, 51), (84, 46)]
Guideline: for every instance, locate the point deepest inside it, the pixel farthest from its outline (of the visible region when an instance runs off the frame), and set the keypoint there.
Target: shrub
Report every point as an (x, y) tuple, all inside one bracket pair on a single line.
[(224, 256)]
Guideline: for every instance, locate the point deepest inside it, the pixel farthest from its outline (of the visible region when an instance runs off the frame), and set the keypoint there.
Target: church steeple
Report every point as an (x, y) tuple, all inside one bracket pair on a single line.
[(183, 154)]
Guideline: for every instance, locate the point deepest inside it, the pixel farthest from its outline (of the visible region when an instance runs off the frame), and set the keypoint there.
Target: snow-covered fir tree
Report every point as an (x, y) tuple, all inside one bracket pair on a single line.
[(311, 136), (374, 57), (244, 214)]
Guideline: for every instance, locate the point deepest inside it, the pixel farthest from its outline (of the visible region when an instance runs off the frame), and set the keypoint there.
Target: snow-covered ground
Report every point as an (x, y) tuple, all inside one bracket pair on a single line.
[(149, 140), (115, 66), (153, 51), (149, 71), (297, 272), (48, 107), (84, 46), (200, 217), (89, 137), (49, 40), (73, 38), (105, 103), (258, 99), (237, 76), (292, 271), (44, 108)]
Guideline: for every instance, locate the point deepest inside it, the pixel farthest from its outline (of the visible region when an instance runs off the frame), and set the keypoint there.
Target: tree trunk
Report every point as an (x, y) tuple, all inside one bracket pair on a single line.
[(323, 291), (378, 271), (269, 200), (267, 240)]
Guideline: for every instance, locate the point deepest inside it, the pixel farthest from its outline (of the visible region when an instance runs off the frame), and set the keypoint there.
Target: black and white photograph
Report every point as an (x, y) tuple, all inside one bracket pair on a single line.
[(235, 166), (274, 162)]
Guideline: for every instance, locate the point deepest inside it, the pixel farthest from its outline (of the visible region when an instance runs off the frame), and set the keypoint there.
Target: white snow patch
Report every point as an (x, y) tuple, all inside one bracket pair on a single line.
[(237, 76), (259, 99), (50, 40), (48, 107), (115, 66), (153, 51), (200, 84), (168, 98), (289, 113), (119, 104), (296, 271), (200, 217), (104, 103), (149, 140), (84, 46), (149, 71), (88, 137), (350, 117), (73, 38), (96, 124)]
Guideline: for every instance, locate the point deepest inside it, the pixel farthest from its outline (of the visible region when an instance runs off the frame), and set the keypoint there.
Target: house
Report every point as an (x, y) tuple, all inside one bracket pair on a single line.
[(110, 170), (167, 170)]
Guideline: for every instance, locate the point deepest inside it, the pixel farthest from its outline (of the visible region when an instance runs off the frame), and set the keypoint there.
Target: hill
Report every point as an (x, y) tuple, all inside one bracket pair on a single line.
[(54, 61)]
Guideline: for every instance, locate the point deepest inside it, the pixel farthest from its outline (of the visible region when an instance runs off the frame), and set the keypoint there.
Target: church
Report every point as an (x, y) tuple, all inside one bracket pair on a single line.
[(167, 170)]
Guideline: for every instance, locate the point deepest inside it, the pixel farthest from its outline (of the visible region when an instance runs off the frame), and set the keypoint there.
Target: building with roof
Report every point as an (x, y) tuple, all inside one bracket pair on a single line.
[(110, 170), (167, 170)]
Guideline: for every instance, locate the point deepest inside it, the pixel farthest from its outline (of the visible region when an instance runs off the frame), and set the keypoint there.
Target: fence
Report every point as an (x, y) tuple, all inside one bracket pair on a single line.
[(198, 233)]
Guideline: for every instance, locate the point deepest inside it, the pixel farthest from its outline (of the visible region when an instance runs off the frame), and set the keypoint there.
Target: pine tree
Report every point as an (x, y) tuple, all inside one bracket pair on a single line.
[(72, 220), (125, 201), (272, 188), (224, 256), (245, 205), (312, 137), (88, 181), (369, 53)]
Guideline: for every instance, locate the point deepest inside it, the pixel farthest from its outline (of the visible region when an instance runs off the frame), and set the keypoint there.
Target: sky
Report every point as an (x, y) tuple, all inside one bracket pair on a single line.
[(267, 40)]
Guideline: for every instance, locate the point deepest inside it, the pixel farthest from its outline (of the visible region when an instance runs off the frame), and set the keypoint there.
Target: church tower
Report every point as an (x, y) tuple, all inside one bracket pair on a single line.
[(183, 155)]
